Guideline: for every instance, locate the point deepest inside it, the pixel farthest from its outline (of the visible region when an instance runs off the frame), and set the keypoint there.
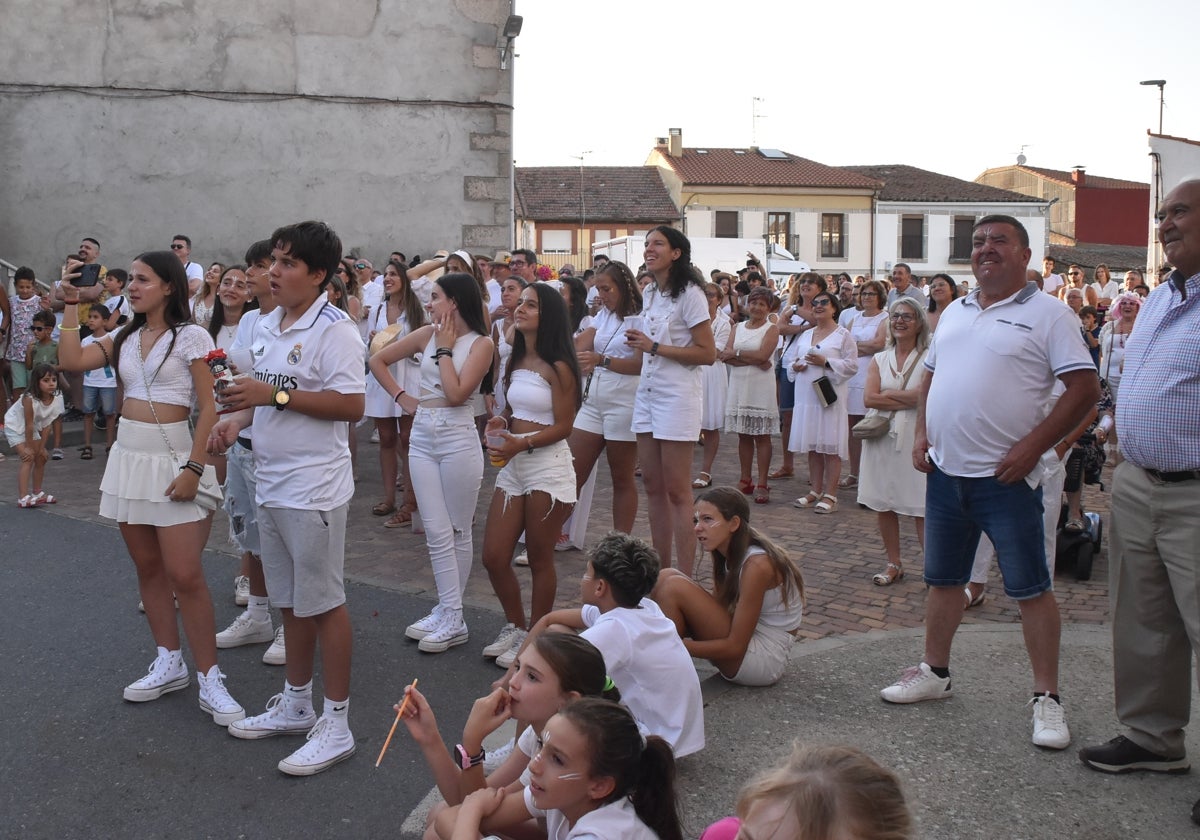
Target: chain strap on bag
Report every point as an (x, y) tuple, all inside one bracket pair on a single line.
[(877, 423), (208, 494)]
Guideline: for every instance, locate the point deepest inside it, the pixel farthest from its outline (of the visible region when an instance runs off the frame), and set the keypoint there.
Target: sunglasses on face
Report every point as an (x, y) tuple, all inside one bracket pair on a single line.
[(37, 329), (821, 302), (178, 247)]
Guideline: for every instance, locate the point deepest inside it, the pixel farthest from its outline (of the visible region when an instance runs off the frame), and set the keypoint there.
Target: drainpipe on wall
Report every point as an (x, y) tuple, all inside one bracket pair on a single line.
[(874, 206)]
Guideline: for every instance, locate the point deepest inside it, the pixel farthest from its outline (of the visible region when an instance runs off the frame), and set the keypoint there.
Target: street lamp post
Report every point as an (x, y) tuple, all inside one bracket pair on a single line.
[(1160, 84)]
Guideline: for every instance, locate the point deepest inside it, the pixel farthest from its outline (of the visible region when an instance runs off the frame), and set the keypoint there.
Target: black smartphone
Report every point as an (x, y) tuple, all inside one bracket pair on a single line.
[(89, 275)]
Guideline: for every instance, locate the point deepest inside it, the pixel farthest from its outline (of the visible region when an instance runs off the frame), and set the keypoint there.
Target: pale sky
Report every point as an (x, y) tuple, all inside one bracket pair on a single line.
[(945, 85)]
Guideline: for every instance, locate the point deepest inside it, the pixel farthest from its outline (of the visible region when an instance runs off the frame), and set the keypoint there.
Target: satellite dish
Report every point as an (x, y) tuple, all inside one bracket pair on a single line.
[(1021, 160)]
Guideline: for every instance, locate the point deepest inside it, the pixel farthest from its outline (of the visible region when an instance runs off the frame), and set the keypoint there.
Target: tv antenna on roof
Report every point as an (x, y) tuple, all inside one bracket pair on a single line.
[(755, 116), (1021, 155)]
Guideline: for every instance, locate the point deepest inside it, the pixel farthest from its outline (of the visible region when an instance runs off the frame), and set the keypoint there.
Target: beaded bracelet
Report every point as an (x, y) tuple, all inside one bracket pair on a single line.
[(443, 351)]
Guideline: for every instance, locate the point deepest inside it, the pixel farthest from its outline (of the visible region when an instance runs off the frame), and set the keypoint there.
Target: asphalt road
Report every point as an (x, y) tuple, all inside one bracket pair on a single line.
[(79, 761)]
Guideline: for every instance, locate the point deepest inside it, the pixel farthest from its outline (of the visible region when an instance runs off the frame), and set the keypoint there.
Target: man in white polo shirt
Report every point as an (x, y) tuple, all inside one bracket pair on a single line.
[(307, 388), (983, 433)]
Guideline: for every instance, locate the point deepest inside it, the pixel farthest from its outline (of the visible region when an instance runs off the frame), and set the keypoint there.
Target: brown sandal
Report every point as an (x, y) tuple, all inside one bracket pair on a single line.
[(781, 473), (400, 519), (383, 509)]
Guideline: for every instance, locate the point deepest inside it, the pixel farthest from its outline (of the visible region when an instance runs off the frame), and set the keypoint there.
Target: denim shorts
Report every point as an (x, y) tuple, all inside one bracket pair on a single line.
[(787, 390), (958, 510), (104, 399)]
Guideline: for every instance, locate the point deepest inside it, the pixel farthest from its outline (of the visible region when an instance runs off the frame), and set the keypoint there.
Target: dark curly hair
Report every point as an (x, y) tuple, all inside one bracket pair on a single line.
[(630, 565)]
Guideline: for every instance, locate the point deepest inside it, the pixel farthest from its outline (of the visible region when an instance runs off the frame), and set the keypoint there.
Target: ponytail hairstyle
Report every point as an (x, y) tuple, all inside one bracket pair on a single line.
[(554, 343), (833, 791), (169, 270), (727, 569), (642, 770), (629, 565), (622, 277), (578, 664)]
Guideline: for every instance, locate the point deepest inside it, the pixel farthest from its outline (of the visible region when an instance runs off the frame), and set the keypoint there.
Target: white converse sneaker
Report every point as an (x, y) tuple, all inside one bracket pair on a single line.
[(246, 630), (241, 590), (276, 654), (450, 631), (917, 684), (509, 656), (284, 716), (215, 699), (327, 744), (1049, 723), (166, 674), (421, 628), (503, 641)]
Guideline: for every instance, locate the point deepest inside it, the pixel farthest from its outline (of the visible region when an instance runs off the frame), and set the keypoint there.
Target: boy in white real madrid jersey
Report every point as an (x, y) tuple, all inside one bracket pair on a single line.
[(307, 388)]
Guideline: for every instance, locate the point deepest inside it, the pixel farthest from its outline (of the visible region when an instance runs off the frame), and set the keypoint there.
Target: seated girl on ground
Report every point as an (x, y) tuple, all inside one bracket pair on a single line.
[(746, 625), (556, 669), (593, 777), (819, 792)]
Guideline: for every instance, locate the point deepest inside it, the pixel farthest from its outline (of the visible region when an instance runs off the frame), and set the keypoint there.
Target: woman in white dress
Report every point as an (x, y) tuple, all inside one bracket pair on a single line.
[(397, 315), (716, 385), (826, 351), (794, 318), (751, 410), (889, 484), (868, 330)]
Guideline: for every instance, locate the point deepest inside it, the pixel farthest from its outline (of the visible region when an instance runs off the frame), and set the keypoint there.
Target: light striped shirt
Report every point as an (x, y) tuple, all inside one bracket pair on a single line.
[(1158, 408)]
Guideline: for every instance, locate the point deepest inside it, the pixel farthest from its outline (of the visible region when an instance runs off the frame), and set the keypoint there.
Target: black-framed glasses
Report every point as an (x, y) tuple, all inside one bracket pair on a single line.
[(516, 263), (177, 247), (906, 317), (36, 329), (1075, 273)]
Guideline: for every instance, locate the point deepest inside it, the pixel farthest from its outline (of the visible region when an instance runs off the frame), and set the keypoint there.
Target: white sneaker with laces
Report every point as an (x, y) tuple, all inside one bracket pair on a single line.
[(1049, 723), (495, 758), (277, 653), (509, 656), (167, 673), (284, 716), (422, 627), (241, 590), (503, 641), (451, 631), (215, 698), (245, 630), (328, 743), (917, 684)]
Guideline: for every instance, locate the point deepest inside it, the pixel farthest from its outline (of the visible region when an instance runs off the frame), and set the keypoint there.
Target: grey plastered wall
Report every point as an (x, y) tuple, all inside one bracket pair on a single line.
[(133, 120)]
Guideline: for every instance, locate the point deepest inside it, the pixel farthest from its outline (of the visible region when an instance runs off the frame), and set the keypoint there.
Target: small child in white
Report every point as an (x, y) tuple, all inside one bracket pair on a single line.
[(27, 426)]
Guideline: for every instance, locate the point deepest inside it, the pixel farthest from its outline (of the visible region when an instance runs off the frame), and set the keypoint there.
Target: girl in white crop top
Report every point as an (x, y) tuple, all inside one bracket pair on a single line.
[(156, 467), (746, 624), (536, 487), (444, 459)]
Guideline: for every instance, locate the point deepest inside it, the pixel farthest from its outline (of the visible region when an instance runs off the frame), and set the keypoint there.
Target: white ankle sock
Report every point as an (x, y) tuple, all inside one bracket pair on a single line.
[(257, 607), (338, 711)]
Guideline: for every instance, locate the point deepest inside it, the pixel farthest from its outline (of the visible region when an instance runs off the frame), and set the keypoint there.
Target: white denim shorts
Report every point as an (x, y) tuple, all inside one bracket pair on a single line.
[(549, 469), (608, 409)]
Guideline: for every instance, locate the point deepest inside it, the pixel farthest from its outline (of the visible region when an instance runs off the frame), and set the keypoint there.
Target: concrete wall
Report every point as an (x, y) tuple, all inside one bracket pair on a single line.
[(133, 120)]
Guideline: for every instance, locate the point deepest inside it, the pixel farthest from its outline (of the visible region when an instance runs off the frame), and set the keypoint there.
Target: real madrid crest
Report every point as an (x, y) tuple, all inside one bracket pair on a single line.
[(293, 357)]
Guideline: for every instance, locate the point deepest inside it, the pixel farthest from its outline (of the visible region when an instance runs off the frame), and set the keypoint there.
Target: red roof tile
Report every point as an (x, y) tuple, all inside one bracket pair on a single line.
[(610, 194), (749, 168), (1064, 177), (908, 183)]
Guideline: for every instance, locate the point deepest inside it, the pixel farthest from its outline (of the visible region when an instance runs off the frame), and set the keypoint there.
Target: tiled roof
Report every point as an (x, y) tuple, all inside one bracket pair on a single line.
[(1064, 177), (749, 168), (610, 194), (1116, 257), (907, 183)]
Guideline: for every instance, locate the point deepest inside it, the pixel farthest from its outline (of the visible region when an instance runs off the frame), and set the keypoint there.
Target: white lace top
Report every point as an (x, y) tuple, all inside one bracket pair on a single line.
[(170, 380)]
